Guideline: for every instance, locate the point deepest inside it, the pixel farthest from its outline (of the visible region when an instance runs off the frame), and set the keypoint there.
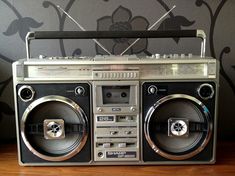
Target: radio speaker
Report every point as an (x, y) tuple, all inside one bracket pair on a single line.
[(54, 122), (178, 121)]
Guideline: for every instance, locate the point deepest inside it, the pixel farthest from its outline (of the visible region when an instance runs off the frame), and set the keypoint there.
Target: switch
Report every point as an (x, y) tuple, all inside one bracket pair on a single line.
[(122, 145), (106, 145), (127, 132), (113, 132)]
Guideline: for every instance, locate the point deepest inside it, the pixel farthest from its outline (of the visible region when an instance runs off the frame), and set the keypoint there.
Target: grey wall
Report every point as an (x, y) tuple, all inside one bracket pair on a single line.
[(216, 17)]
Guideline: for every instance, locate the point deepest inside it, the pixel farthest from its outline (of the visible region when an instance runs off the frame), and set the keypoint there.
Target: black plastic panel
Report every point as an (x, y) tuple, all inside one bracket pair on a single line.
[(66, 90), (188, 88)]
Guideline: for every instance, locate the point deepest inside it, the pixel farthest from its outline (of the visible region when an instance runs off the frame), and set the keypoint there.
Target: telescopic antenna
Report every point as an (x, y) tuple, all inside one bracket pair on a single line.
[(83, 29)]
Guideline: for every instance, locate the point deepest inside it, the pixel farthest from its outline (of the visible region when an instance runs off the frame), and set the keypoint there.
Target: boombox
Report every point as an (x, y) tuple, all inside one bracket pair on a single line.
[(116, 109)]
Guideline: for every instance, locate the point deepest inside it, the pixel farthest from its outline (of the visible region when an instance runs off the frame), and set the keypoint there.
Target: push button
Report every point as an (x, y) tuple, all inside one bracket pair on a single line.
[(106, 145), (122, 145)]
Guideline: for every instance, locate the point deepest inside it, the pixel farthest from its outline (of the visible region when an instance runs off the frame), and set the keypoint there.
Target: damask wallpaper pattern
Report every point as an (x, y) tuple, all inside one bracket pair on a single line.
[(216, 17)]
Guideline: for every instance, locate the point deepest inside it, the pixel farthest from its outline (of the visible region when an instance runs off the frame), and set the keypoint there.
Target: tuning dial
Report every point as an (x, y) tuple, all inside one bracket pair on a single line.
[(152, 89), (80, 90), (206, 91)]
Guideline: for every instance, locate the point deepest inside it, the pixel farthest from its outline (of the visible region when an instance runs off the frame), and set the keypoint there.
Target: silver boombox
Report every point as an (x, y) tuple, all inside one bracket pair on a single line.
[(114, 109)]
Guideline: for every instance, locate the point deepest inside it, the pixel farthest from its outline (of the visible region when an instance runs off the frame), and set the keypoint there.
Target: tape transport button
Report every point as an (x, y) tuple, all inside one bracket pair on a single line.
[(122, 145)]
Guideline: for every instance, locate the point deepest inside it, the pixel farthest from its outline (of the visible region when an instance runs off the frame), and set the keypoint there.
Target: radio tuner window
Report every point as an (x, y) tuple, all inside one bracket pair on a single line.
[(116, 94)]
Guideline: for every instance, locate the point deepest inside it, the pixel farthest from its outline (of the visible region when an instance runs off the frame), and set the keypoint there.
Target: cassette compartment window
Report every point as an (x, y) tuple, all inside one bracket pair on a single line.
[(116, 95)]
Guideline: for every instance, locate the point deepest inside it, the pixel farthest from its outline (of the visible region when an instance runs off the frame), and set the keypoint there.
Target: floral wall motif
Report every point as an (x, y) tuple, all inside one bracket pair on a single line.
[(215, 17)]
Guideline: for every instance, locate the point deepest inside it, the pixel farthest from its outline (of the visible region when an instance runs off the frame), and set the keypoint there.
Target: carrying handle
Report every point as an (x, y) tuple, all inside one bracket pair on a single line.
[(115, 34)]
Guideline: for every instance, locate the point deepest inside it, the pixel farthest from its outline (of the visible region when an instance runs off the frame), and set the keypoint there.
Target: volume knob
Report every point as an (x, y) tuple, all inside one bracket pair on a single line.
[(79, 90), (152, 89)]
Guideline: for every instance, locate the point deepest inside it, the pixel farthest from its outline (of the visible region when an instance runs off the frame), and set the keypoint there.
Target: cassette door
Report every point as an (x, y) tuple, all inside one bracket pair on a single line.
[(178, 122)]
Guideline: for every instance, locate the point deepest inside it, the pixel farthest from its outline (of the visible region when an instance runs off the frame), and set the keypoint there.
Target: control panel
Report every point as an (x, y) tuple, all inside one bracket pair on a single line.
[(116, 123)]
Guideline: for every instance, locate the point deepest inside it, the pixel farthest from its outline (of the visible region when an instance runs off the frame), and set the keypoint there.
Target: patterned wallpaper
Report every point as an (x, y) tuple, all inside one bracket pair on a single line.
[(216, 17)]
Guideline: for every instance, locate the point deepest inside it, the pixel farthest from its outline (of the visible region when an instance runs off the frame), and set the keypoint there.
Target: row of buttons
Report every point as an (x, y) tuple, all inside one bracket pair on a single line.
[(117, 75), (171, 56), (63, 58), (120, 145)]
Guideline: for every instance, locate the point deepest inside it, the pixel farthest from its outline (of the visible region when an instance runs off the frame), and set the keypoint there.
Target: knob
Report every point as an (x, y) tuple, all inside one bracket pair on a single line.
[(41, 57), (152, 89), (99, 109), (206, 91), (79, 90), (133, 109), (26, 93)]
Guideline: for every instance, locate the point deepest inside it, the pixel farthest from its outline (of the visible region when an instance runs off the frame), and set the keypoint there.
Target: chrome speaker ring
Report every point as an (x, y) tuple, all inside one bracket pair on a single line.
[(172, 156), (68, 102)]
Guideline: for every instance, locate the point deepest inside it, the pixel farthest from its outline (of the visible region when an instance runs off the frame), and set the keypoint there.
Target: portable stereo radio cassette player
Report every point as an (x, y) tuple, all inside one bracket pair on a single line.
[(116, 109)]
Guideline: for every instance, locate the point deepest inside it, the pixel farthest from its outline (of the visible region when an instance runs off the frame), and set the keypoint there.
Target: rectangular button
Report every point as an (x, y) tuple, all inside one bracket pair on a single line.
[(122, 145), (106, 145)]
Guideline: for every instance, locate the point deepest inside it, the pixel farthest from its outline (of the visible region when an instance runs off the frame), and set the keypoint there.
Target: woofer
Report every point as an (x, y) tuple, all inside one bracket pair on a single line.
[(54, 128), (178, 126)]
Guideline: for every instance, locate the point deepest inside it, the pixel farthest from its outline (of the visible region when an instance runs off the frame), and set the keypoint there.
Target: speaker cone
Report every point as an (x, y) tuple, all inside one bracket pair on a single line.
[(178, 126), (54, 128)]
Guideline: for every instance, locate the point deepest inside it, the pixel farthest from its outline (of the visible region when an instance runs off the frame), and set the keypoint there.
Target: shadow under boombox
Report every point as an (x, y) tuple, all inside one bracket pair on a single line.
[(116, 110)]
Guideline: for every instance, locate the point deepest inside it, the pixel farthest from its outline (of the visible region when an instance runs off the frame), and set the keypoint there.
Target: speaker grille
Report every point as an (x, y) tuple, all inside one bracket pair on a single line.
[(178, 108), (49, 108)]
